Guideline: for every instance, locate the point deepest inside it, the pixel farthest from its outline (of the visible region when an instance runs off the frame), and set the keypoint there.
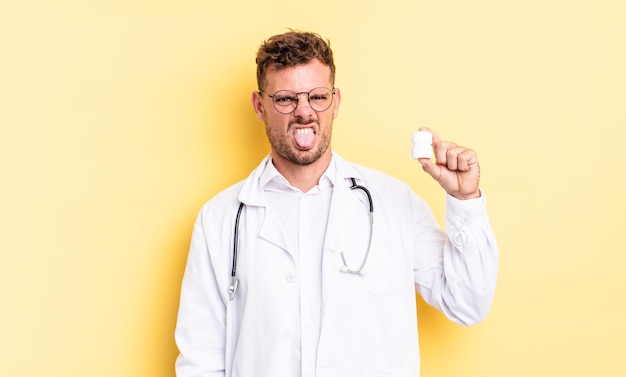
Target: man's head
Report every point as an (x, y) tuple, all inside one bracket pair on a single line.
[(297, 99), (291, 49)]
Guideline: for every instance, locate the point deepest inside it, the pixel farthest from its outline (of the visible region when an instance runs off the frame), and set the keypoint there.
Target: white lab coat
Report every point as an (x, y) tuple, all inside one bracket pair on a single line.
[(368, 323)]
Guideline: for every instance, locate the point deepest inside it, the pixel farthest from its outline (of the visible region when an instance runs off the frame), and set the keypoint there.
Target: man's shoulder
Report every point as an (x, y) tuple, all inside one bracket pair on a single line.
[(232, 195), (223, 200)]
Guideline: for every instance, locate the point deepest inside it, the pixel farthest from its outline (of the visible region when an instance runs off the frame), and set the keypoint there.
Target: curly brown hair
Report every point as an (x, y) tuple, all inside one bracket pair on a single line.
[(291, 49)]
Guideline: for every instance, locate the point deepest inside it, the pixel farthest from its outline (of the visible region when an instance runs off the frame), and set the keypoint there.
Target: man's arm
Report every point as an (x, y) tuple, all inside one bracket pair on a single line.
[(200, 329)]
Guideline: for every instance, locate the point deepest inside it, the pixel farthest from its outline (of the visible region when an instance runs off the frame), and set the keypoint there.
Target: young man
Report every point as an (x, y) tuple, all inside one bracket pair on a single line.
[(288, 274)]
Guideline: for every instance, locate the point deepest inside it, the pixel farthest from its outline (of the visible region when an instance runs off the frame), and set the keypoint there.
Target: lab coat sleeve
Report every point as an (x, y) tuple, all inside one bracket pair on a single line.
[(200, 329), (460, 278)]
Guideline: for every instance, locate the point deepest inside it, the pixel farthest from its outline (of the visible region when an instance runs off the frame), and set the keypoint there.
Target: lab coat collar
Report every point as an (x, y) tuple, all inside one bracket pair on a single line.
[(251, 193), (271, 178)]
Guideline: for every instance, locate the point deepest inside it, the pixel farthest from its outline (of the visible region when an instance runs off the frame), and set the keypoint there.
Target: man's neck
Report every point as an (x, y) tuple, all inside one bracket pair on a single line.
[(302, 177)]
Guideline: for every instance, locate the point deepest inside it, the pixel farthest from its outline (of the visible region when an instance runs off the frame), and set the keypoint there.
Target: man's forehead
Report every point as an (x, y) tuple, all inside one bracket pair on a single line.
[(312, 73)]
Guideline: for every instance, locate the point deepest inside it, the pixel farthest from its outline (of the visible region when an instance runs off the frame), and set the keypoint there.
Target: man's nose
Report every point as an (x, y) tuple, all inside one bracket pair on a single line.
[(303, 106)]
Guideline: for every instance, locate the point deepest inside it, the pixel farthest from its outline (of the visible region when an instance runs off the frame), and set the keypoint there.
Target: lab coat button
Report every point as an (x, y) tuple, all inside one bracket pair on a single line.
[(291, 277), (286, 334)]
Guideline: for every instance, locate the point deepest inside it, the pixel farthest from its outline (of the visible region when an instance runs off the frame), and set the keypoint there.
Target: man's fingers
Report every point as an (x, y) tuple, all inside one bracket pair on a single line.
[(466, 159), (455, 168), (444, 152), (454, 157)]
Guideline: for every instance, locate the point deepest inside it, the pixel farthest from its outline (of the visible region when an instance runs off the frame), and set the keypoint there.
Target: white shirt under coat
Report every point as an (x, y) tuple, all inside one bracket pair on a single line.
[(295, 313)]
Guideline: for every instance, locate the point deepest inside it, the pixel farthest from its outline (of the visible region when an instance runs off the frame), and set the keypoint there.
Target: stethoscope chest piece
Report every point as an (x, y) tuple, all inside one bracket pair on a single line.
[(345, 269), (232, 288)]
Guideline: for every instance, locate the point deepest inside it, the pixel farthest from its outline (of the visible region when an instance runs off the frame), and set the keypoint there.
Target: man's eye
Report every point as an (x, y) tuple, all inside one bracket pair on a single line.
[(318, 97), (284, 100)]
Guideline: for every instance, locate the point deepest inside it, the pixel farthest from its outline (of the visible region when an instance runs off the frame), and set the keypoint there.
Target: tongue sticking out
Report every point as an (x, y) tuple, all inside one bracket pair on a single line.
[(304, 137)]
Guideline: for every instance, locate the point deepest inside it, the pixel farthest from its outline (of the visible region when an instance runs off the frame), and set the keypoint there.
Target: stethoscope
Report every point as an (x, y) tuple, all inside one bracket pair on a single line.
[(234, 281)]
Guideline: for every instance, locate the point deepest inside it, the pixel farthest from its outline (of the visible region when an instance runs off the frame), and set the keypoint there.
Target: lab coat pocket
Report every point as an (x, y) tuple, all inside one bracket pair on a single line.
[(400, 371)]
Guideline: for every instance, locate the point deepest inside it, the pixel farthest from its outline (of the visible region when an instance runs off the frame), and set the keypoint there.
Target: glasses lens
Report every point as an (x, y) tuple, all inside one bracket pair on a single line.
[(285, 101), (320, 99)]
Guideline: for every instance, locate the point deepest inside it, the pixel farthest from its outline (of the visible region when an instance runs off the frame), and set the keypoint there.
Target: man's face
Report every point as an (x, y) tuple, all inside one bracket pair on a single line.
[(302, 137)]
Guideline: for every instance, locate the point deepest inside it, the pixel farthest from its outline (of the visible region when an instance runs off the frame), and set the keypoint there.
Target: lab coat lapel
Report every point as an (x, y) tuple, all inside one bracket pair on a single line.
[(345, 202), (252, 195), (272, 232), (342, 205)]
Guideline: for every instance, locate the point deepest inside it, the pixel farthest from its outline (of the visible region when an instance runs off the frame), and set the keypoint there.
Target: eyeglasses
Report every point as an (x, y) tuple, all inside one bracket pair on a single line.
[(286, 101)]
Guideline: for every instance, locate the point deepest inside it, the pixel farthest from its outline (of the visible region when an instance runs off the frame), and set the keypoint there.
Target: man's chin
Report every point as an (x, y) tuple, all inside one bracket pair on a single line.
[(305, 157)]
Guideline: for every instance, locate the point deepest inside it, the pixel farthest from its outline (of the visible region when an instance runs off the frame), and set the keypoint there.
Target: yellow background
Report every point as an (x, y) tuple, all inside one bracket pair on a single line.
[(119, 119)]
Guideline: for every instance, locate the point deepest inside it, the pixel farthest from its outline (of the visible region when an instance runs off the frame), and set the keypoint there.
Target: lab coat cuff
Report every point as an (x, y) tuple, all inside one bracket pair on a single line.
[(463, 212)]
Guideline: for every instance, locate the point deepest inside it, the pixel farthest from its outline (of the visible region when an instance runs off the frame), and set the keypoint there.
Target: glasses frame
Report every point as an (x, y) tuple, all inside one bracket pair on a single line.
[(308, 98)]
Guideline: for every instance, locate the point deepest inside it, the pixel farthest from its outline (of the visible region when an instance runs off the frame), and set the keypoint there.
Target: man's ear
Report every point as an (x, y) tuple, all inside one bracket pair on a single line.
[(336, 103), (257, 104)]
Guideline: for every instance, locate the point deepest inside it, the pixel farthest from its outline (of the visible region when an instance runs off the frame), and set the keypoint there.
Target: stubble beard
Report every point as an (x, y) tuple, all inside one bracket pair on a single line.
[(283, 146)]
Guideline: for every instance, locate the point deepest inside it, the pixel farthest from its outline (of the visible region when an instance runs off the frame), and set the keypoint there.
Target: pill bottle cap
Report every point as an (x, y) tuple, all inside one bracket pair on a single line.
[(422, 137)]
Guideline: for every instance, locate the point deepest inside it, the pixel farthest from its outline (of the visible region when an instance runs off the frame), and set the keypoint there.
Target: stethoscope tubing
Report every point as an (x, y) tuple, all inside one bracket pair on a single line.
[(234, 282)]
